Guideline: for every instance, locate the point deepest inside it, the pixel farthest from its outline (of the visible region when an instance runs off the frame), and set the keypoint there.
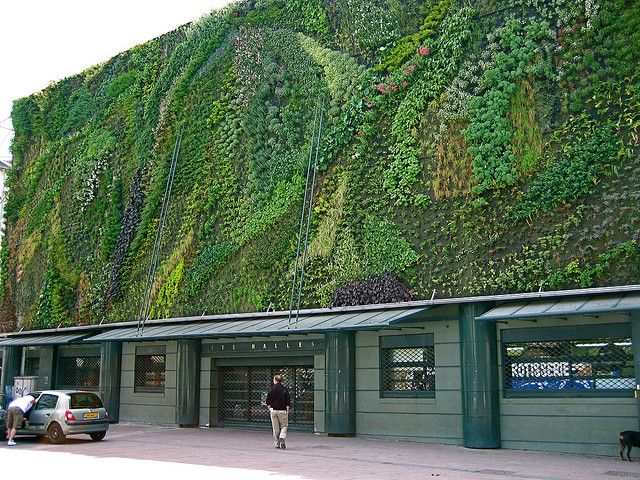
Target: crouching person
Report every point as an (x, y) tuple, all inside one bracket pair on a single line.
[(15, 415)]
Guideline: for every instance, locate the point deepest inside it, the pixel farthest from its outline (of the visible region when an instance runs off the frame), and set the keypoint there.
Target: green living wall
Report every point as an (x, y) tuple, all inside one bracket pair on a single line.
[(467, 147)]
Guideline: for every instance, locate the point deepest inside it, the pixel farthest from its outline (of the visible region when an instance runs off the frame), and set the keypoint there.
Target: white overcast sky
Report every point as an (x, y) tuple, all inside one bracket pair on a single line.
[(43, 41)]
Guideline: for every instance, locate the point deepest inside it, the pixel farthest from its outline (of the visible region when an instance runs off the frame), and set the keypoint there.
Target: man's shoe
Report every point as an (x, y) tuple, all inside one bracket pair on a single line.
[(278, 445), (282, 444), (11, 443)]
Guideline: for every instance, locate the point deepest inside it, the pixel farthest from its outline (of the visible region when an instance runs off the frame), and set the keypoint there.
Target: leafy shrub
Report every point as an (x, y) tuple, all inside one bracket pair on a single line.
[(168, 293), (433, 73), (385, 249), (206, 264), (571, 177), (56, 300), (489, 132), (408, 45)]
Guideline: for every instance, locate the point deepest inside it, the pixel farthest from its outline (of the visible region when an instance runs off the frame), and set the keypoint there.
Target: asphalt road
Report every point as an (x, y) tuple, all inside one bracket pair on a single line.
[(165, 452)]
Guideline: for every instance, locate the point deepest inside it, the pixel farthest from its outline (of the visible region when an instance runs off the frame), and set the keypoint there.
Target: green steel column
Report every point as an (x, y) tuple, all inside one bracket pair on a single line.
[(635, 341), (340, 388), (47, 367), (110, 371), (188, 382), (480, 388), (11, 362)]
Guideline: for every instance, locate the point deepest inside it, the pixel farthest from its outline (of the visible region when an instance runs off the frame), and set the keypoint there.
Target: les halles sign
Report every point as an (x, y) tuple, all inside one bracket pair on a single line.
[(265, 346)]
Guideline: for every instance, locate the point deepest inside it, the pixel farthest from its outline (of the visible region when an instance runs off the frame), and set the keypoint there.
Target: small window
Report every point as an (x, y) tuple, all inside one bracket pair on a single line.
[(84, 400), (81, 372), (587, 367), (46, 401), (150, 373), (407, 366), (31, 366)]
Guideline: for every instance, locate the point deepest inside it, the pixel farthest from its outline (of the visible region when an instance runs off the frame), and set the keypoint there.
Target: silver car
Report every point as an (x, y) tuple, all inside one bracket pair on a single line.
[(59, 413)]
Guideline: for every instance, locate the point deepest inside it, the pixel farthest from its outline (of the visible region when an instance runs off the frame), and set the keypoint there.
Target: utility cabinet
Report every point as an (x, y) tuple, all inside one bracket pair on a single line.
[(24, 385)]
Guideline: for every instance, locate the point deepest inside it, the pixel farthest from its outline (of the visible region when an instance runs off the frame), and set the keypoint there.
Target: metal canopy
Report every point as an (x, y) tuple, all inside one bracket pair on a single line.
[(266, 326), (564, 307), (28, 340)]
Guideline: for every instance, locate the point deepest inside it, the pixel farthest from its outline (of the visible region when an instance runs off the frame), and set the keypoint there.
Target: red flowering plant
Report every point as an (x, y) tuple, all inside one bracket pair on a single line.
[(400, 79), (393, 83), (390, 88)]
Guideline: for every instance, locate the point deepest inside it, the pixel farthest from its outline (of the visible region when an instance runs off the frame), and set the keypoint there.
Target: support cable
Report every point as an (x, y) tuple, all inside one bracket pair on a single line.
[(143, 314), (309, 190), (310, 211), (302, 214)]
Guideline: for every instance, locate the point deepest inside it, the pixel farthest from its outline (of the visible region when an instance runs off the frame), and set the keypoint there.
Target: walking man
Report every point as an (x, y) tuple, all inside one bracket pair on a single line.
[(279, 405), (15, 415)]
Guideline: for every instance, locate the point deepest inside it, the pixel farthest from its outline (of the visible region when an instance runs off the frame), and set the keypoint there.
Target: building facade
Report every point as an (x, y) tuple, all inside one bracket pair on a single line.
[(554, 371)]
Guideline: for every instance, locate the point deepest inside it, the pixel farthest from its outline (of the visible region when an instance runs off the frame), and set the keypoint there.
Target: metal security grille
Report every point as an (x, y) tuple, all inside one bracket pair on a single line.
[(604, 364), (82, 373), (150, 373), (31, 366), (243, 391), (408, 369)]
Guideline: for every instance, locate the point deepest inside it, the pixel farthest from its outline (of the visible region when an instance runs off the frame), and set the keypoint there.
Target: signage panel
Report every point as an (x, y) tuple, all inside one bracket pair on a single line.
[(264, 346)]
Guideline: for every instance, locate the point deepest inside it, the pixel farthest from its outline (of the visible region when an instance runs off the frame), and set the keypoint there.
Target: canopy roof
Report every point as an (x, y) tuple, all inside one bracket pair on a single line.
[(27, 340), (564, 307), (280, 325), (560, 303)]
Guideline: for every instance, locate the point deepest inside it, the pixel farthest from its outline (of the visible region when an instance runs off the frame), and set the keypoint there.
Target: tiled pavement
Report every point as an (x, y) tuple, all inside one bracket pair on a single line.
[(219, 453)]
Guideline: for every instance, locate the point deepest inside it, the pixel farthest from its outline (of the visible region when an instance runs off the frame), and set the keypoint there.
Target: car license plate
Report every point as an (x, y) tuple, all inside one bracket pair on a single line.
[(90, 415)]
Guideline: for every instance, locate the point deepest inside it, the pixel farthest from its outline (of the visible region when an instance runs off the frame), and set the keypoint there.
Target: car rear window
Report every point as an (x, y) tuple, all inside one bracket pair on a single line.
[(84, 400)]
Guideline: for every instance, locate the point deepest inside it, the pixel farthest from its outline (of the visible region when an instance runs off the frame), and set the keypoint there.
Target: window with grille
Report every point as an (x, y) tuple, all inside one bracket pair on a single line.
[(407, 366), (598, 365), (80, 372), (31, 366), (150, 371)]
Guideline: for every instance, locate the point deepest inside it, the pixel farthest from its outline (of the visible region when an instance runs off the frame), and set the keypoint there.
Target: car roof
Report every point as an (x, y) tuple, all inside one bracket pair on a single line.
[(63, 392)]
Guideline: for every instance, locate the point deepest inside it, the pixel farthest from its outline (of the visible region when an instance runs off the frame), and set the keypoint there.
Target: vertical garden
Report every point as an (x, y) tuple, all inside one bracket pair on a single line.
[(467, 147)]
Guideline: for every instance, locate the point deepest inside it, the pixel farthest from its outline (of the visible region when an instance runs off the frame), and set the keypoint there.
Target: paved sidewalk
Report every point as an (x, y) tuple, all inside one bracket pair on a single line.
[(228, 453)]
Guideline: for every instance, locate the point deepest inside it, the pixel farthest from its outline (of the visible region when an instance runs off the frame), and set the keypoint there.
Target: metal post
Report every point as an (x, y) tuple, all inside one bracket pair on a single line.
[(110, 372), (635, 342), (11, 362), (47, 367), (340, 391), (480, 387), (188, 383)]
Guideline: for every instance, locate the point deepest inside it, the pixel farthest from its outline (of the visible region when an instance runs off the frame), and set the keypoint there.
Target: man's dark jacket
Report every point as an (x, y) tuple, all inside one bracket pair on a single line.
[(278, 397)]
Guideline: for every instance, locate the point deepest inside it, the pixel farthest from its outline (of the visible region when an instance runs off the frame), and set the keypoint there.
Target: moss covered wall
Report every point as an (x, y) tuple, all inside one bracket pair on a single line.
[(469, 150)]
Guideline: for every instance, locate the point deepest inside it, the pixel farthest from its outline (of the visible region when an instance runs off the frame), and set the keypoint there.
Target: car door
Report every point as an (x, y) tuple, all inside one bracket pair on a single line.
[(41, 413)]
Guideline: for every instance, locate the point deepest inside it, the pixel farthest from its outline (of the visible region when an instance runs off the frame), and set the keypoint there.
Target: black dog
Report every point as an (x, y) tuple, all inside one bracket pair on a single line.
[(628, 439)]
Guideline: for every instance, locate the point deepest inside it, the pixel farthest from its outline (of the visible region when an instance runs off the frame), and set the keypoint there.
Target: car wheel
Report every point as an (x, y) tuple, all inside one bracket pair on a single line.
[(56, 435), (97, 436)]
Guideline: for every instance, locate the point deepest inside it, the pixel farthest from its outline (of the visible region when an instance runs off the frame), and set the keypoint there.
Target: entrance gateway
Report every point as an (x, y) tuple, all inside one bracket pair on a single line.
[(243, 390), (244, 373)]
